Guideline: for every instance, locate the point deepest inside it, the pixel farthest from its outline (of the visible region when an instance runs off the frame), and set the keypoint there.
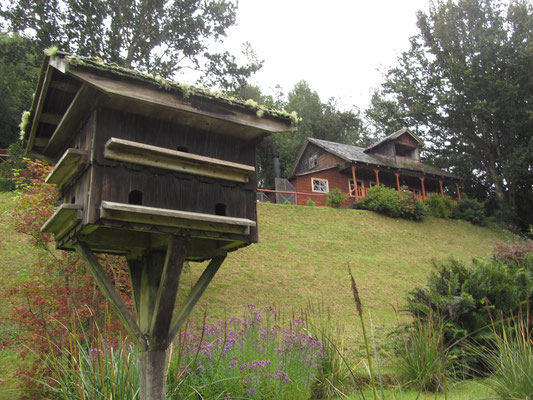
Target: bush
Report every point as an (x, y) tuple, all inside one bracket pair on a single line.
[(310, 202), (439, 206), (388, 201), (336, 198), (14, 163), (470, 210), (468, 298)]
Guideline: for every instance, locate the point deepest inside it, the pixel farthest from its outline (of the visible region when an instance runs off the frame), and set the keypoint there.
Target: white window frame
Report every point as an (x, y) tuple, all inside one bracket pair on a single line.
[(350, 188), (319, 180), (372, 184)]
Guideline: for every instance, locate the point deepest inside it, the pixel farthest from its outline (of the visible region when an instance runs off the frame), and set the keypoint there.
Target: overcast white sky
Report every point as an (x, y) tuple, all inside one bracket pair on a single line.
[(337, 46)]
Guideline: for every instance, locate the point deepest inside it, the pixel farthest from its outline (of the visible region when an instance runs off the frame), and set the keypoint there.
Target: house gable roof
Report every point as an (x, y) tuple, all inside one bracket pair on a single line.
[(355, 154), (393, 136)]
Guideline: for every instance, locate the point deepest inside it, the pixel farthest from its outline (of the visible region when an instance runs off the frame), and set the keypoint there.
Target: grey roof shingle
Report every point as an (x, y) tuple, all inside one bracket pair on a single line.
[(351, 153)]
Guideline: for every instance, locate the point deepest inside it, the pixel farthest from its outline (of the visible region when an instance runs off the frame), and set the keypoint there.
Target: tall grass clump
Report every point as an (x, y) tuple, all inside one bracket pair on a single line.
[(252, 357), (510, 358), (421, 356), (100, 368), (334, 375)]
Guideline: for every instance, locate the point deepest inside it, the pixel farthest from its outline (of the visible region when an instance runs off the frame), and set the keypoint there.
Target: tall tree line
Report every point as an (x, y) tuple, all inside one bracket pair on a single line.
[(466, 85)]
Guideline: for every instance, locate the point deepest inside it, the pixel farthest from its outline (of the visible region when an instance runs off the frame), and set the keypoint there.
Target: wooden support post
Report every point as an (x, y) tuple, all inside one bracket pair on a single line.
[(194, 296), (108, 289), (376, 171), (354, 182), (423, 187), (458, 191), (397, 180), (441, 189)]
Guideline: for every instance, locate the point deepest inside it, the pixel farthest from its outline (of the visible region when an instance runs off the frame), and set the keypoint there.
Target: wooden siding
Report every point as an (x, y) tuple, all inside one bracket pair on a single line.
[(386, 149), (324, 160), (407, 140)]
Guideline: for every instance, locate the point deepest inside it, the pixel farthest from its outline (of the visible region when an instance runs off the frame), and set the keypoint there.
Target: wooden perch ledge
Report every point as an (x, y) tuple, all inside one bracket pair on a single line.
[(160, 157)]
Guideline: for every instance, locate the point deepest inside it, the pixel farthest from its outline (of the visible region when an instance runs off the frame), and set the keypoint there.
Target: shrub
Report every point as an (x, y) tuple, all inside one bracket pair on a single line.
[(310, 202), (388, 201), (470, 210), (468, 297), (439, 206), (13, 164), (336, 198)]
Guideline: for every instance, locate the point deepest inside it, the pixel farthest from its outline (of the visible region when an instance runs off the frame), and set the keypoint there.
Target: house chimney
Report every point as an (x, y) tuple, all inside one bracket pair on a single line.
[(275, 161)]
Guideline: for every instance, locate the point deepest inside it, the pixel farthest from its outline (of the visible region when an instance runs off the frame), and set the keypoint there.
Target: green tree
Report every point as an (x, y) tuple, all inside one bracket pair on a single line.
[(319, 120), (155, 36), (19, 67), (465, 84)]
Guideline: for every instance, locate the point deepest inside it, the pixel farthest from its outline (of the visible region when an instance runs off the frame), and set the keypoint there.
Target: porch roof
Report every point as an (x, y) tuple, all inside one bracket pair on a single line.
[(355, 154)]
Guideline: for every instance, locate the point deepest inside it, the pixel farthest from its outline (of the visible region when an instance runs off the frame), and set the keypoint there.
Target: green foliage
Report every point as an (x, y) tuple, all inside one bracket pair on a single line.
[(421, 355), (388, 201), (19, 67), (13, 165), (155, 37), (468, 297), (310, 202), (510, 357), (470, 210), (336, 198), (439, 206), (465, 85)]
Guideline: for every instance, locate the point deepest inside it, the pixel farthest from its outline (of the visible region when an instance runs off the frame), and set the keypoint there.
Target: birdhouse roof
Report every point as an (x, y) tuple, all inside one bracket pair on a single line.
[(70, 87)]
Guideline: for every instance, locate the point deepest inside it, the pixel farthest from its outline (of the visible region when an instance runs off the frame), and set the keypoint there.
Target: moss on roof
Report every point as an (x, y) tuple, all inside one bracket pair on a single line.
[(185, 90)]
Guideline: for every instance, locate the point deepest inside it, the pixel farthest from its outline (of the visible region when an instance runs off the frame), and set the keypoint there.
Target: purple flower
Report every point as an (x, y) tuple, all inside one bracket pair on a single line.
[(251, 390)]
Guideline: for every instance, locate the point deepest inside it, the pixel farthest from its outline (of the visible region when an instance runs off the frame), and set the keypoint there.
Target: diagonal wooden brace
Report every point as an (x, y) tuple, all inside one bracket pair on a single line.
[(108, 289), (166, 295), (194, 296)]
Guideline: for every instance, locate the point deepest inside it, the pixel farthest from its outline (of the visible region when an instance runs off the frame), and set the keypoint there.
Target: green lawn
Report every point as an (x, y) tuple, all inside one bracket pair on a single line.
[(302, 256)]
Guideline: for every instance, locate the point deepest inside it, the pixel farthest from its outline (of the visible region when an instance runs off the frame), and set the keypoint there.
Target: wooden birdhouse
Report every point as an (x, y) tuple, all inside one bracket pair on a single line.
[(139, 158)]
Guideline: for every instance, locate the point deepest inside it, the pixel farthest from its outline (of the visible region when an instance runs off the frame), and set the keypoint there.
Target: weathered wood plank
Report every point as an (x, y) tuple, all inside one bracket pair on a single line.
[(225, 117), (173, 160), (52, 119), (68, 166), (166, 295), (39, 109), (64, 218), (108, 289), (174, 218), (75, 114), (195, 294)]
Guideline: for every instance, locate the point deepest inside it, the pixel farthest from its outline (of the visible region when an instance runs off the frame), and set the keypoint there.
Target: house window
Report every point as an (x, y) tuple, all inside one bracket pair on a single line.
[(372, 184), (319, 185), (313, 161), (360, 184)]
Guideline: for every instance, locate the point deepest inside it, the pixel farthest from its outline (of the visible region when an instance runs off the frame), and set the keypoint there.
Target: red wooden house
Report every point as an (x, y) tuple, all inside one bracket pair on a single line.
[(394, 162)]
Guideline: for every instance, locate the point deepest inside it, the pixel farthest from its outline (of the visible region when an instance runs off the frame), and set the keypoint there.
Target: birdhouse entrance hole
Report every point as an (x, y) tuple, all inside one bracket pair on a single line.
[(135, 197), (220, 209)]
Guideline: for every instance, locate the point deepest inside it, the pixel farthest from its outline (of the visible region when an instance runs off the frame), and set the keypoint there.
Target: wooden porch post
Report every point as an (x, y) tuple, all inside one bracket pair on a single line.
[(354, 183), (423, 187), (376, 171), (458, 191), (441, 190), (397, 180)]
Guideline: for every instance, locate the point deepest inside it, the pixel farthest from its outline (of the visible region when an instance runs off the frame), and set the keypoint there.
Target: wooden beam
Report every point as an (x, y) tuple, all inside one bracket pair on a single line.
[(39, 108), (73, 117), (108, 289), (174, 218), (173, 160), (166, 295), (195, 294), (66, 217), (64, 86), (68, 166), (52, 119)]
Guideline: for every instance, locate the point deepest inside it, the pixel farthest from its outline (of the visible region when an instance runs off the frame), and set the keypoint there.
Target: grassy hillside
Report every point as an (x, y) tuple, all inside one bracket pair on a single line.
[(304, 253), (303, 256)]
